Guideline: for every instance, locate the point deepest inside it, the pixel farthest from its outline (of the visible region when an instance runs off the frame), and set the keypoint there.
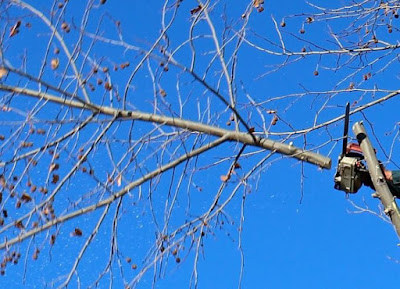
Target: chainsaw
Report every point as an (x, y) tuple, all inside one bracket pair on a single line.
[(351, 172)]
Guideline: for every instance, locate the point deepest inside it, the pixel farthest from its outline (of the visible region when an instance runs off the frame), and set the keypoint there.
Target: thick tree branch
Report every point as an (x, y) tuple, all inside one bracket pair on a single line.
[(245, 138)]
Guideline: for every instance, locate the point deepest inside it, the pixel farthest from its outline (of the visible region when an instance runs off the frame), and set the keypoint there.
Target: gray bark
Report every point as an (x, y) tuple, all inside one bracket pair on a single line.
[(377, 176), (243, 137)]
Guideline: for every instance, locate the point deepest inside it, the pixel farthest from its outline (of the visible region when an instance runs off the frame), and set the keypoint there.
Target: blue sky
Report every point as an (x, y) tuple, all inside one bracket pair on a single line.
[(297, 231)]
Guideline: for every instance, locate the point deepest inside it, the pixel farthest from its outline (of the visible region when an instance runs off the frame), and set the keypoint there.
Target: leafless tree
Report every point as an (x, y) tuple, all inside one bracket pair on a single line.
[(109, 126)]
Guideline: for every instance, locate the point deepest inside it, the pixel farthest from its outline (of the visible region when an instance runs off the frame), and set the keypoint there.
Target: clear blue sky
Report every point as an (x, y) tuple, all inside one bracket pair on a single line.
[(292, 237)]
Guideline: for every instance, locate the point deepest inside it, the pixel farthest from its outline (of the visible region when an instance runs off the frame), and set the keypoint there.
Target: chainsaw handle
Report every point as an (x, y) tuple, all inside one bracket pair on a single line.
[(353, 147)]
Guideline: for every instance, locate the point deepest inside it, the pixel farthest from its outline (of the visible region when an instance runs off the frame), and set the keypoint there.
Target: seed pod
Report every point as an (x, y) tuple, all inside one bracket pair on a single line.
[(274, 120), (55, 179), (52, 239), (65, 27), (3, 72), (55, 62), (26, 198), (19, 225), (77, 232), (40, 131), (163, 92), (36, 254), (107, 86)]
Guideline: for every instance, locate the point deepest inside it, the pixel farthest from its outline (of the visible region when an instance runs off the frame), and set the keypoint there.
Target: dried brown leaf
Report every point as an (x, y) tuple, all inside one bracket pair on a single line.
[(15, 29), (274, 120), (27, 144), (196, 10), (40, 131), (124, 65), (26, 198), (54, 167), (55, 179)]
